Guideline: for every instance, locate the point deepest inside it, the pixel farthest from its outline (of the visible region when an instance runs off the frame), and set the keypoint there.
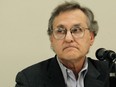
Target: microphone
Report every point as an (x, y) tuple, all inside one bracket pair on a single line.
[(110, 56), (103, 54)]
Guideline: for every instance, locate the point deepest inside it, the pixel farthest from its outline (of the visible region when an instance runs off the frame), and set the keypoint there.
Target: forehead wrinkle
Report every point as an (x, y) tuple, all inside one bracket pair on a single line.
[(66, 17)]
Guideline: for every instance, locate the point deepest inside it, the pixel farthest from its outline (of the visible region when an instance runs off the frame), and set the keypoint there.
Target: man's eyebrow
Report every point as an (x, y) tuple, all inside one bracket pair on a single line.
[(73, 25), (60, 26), (76, 25)]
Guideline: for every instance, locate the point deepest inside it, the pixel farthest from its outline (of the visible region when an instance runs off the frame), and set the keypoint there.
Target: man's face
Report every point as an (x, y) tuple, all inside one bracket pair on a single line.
[(70, 48)]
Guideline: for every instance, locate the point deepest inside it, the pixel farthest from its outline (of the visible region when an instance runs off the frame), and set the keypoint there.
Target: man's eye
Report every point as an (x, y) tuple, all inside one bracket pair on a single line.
[(76, 30), (61, 31)]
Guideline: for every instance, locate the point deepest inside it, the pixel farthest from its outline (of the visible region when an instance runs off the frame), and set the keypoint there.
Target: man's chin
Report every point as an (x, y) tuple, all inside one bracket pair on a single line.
[(70, 57)]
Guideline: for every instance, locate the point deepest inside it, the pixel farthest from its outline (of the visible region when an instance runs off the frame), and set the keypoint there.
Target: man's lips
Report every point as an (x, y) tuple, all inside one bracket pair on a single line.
[(70, 47)]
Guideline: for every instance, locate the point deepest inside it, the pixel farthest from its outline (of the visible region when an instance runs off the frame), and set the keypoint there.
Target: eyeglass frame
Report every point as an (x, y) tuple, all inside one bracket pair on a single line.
[(72, 32)]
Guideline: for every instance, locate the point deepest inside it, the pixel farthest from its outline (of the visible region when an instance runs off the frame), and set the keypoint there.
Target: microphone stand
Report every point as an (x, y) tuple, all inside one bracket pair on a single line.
[(109, 56), (112, 73)]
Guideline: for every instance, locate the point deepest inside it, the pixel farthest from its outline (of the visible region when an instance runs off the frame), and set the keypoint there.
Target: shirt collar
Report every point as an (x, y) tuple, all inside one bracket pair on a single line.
[(64, 69)]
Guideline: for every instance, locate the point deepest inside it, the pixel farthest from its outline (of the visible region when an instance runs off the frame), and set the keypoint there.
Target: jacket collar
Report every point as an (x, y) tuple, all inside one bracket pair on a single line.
[(55, 74), (92, 76), (56, 77)]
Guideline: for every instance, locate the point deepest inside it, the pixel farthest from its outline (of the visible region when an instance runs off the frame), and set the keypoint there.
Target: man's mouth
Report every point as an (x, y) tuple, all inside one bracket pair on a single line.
[(70, 47)]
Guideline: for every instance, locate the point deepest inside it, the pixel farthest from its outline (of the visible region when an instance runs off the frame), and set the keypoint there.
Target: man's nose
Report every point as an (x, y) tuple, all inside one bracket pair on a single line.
[(69, 37)]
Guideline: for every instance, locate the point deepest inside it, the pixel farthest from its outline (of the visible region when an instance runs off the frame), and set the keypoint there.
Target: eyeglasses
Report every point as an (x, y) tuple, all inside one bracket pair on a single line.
[(76, 32)]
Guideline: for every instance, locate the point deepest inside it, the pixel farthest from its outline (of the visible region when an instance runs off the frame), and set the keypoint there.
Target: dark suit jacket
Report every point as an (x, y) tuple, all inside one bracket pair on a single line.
[(48, 74)]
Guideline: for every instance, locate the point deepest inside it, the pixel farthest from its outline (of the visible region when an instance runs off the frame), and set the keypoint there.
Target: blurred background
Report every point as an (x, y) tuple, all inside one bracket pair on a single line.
[(23, 33)]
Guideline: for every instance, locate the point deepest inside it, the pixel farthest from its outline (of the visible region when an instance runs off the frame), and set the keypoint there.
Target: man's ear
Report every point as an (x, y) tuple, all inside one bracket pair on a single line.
[(51, 42), (92, 38), (50, 38)]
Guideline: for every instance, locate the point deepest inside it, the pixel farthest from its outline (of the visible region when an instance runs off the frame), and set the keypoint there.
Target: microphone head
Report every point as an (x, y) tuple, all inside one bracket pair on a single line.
[(100, 54), (103, 54), (111, 55)]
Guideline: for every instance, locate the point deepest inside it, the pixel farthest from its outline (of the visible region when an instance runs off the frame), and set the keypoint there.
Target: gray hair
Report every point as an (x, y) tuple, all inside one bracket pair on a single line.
[(68, 6)]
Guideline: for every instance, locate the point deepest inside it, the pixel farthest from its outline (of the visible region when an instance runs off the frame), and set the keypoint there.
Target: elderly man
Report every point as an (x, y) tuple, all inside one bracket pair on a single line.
[(72, 30)]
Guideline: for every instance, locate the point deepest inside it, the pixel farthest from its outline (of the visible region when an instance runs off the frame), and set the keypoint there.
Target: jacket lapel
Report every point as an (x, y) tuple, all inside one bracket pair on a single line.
[(55, 75), (91, 79)]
